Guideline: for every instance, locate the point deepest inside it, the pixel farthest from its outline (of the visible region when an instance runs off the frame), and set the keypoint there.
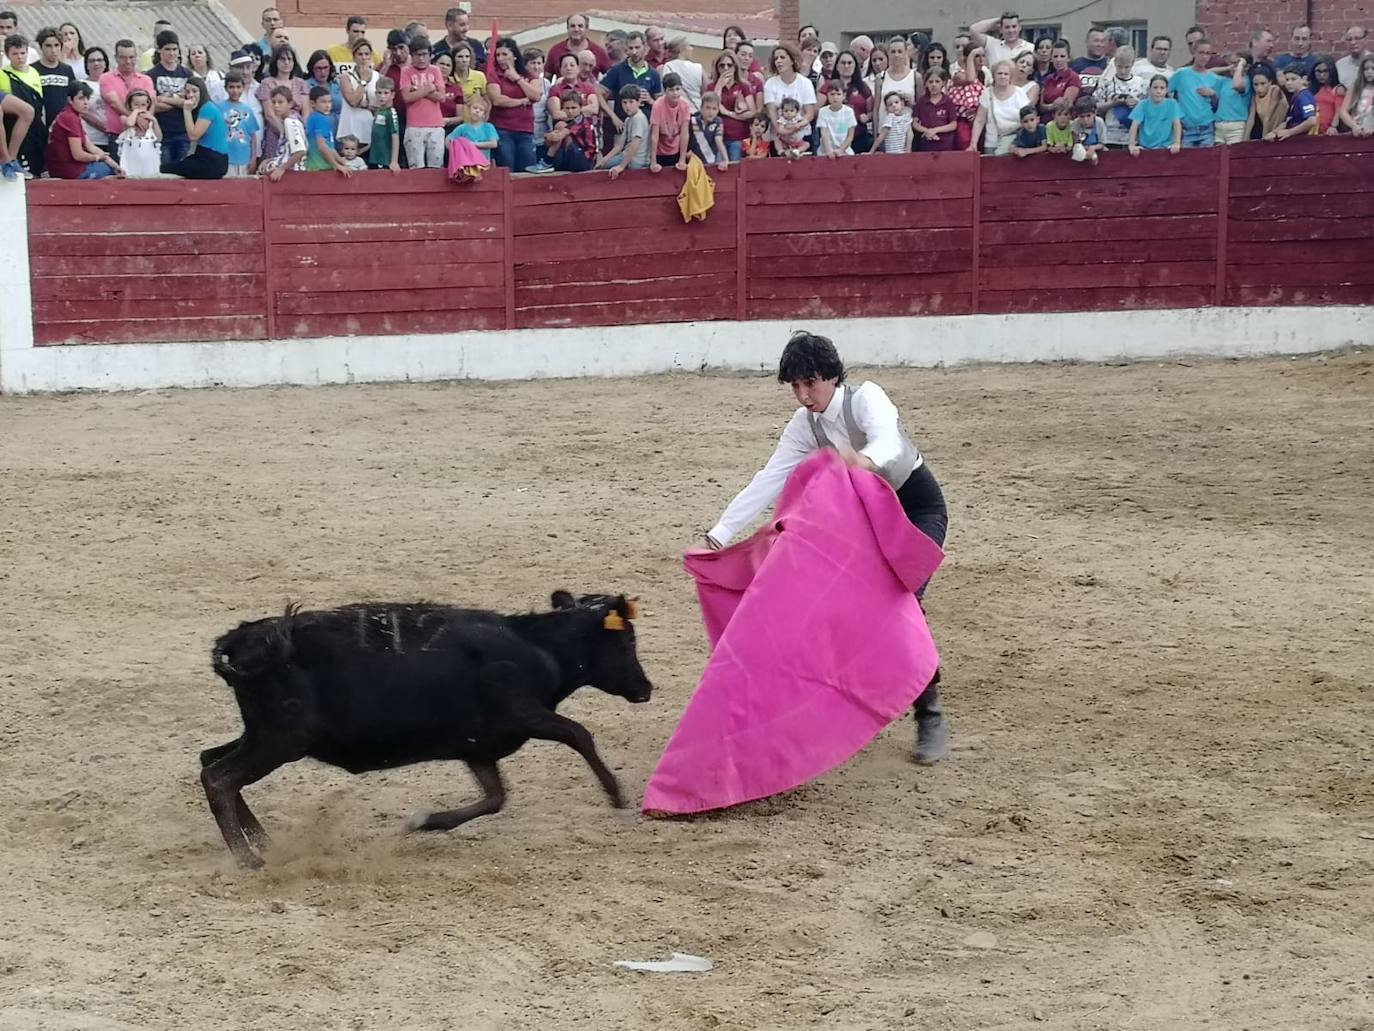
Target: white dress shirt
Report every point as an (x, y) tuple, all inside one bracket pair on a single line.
[(995, 50), (873, 411)]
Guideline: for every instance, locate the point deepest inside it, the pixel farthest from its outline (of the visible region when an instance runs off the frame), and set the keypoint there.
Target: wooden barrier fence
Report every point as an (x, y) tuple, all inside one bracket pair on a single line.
[(917, 234)]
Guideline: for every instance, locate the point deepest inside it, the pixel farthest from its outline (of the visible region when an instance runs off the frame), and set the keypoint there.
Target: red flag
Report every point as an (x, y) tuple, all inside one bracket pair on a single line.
[(491, 50)]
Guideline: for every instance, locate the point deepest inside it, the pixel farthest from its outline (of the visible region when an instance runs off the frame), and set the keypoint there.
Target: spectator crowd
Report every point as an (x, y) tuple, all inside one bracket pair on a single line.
[(78, 111)]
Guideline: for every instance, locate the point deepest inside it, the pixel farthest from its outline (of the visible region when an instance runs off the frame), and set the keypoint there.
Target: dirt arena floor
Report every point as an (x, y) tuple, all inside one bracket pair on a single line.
[(1155, 619)]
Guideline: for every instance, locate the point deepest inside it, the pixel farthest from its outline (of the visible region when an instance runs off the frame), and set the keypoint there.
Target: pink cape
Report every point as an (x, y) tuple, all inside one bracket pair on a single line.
[(817, 642)]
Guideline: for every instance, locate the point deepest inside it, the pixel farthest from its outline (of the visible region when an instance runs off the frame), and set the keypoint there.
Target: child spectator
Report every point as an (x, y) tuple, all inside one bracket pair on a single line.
[(894, 134), (1089, 131), (1302, 107), (349, 146), (70, 155), (243, 126), (1059, 133), (19, 79), (836, 123), (1233, 104), (422, 88), (290, 142), (140, 144), (936, 120), (17, 118), (1158, 122), (1329, 94), (1357, 113), (321, 154), (757, 146), (1118, 92), (706, 133), (966, 92), (475, 129), (668, 123), (384, 150), (631, 149), (1031, 139), (573, 147), (790, 131)]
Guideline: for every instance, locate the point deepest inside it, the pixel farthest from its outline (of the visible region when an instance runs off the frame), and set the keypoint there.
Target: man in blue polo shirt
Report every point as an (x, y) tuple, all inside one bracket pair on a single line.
[(1197, 90), (633, 70)]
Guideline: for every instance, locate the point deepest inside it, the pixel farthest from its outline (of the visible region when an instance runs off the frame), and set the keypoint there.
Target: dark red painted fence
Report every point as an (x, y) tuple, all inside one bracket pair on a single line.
[(948, 234)]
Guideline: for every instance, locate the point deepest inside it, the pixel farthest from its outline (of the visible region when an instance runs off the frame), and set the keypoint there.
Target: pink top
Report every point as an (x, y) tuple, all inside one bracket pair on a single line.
[(427, 113), (793, 690), (114, 84), (671, 122)]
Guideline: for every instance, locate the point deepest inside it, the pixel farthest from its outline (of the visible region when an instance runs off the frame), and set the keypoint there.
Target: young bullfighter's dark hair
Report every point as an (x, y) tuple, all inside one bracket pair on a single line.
[(808, 356)]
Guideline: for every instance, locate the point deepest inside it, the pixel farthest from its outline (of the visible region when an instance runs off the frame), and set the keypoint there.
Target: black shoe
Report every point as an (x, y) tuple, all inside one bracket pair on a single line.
[(932, 731)]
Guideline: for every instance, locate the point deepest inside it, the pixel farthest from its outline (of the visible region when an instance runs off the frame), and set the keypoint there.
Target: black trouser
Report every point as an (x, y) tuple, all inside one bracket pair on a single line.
[(203, 164), (924, 506)]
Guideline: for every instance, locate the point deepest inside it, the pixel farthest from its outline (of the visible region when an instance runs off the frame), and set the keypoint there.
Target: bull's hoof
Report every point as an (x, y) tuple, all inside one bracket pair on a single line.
[(250, 861)]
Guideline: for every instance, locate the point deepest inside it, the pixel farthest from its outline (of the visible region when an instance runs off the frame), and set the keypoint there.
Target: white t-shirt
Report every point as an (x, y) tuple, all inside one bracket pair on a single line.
[(775, 91), (1003, 116), (836, 125), (1146, 70), (995, 50), (97, 109), (906, 86), (691, 75)]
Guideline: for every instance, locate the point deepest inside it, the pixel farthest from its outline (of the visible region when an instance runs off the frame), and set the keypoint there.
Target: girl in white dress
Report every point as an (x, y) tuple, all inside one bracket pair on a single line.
[(140, 144)]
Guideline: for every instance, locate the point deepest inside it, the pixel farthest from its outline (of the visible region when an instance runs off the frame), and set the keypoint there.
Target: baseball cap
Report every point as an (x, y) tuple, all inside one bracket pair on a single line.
[(240, 57), (829, 48)]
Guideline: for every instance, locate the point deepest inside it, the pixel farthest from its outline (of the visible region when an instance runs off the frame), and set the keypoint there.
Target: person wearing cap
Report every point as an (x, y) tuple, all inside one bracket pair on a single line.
[(245, 63), (829, 51), (864, 427)]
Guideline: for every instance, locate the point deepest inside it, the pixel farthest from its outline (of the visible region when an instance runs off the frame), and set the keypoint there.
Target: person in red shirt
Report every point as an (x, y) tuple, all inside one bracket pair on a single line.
[(575, 44), (657, 55), (1062, 81), (70, 155), (422, 85)]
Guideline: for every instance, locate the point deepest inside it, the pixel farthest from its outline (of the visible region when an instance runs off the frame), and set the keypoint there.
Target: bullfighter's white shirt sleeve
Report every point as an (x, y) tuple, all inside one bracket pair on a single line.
[(797, 441), (877, 417)]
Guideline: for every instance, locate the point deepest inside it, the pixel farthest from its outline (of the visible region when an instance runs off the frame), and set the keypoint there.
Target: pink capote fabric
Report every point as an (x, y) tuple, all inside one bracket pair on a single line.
[(817, 642)]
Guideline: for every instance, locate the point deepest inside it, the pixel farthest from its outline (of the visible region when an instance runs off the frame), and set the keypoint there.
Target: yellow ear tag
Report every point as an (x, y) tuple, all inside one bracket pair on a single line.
[(613, 621), (634, 609)]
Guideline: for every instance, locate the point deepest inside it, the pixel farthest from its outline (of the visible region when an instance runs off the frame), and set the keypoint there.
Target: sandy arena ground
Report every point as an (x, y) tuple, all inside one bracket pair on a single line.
[(1155, 620)]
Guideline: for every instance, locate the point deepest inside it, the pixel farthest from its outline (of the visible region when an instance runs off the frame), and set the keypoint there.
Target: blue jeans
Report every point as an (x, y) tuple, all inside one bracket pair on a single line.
[(96, 170), (514, 150), (734, 149), (174, 149), (1198, 135)]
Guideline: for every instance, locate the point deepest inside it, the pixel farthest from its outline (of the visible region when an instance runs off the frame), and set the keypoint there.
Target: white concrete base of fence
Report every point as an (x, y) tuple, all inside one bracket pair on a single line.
[(638, 350)]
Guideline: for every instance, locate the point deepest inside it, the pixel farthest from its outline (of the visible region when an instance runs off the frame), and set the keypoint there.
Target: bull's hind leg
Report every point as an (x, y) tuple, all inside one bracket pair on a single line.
[(550, 726), (251, 827), (223, 779), (493, 798)]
